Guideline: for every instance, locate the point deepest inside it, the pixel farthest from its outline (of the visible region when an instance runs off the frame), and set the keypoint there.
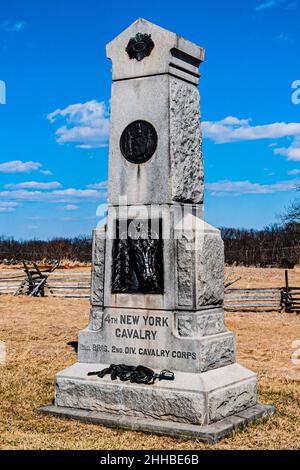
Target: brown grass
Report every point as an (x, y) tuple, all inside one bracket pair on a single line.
[(44, 264), (36, 332), (263, 277)]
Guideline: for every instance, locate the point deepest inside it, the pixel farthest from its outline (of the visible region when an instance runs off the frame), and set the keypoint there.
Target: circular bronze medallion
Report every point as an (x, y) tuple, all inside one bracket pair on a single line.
[(140, 46), (138, 142)]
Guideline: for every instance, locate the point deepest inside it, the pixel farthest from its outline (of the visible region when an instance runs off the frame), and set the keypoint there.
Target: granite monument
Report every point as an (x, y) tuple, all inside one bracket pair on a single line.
[(158, 267)]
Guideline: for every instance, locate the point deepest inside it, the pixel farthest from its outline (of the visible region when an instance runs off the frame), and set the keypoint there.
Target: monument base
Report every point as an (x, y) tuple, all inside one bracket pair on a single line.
[(206, 406), (210, 434)]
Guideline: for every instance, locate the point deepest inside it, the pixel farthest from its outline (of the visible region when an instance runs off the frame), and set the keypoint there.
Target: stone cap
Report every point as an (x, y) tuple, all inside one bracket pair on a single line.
[(155, 51)]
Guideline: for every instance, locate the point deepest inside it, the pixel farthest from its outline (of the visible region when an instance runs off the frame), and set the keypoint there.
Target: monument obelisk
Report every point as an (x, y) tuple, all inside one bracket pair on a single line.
[(158, 268)]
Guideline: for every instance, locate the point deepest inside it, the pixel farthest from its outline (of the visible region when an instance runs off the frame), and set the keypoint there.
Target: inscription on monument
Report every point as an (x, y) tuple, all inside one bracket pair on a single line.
[(140, 335), (138, 142)]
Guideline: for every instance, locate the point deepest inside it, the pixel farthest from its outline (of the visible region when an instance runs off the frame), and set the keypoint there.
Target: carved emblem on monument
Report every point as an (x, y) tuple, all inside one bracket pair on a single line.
[(138, 261), (138, 142), (140, 46)]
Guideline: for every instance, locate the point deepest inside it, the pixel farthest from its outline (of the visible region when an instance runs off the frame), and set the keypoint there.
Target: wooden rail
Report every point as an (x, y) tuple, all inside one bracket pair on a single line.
[(78, 284), (290, 296), (75, 285), (253, 299), (59, 284)]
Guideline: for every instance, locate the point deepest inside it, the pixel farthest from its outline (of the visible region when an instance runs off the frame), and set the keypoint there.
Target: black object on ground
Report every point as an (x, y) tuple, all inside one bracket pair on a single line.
[(139, 374)]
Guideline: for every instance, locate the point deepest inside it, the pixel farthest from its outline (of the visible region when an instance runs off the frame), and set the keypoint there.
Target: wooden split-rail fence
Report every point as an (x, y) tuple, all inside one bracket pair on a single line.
[(267, 299), (78, 285), (56, 284), (290, 296), (253, 299)]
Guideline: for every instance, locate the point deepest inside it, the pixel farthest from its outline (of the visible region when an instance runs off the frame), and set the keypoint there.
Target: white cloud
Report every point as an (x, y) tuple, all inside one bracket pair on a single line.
[(234, 121), (233, 129), (70, 207), (266, 5), (13, 26), (270, 4), (63, 195), (292, 152), (8, 204), (236, 188), (46, 172), (85, 124), (7, 209), (77, 193), (294, 172), (17, 166), (33, 185), (101, 185)]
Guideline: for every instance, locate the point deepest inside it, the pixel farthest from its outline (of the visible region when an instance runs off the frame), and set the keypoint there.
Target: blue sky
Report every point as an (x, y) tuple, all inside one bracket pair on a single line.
[(54, 125)]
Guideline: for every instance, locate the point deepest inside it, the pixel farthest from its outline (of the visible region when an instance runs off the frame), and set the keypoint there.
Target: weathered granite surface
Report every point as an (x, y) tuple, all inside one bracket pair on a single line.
[(190, 398), (210, 433), (98, 265), (185, 143), (146, 183), (185, 272), (210, 268), (210, 322), (96, 319), (201, 323), (217, 351), (153, 338), (175, 172), (224, 402), (121, 400), (200, 264), (171, 54)]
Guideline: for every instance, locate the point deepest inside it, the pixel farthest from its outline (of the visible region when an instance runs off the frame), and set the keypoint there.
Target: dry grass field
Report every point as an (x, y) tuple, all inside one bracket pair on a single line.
[(37, 332)]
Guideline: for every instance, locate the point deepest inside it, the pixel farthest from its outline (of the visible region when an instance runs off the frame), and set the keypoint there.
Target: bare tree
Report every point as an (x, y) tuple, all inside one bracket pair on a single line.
[(292, 215)]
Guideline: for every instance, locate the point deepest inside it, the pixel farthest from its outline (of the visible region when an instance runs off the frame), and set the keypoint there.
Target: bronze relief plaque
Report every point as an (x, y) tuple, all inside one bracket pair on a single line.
[(138, 258), (138, 142)]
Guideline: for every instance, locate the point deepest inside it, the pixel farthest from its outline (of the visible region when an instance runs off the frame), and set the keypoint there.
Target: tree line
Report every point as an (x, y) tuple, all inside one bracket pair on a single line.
[(74, 249), (276, 245)]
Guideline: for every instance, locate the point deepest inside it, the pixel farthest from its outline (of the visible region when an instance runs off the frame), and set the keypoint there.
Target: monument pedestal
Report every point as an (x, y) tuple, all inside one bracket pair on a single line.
[(197, 399), (205, 406), (158, 268)]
